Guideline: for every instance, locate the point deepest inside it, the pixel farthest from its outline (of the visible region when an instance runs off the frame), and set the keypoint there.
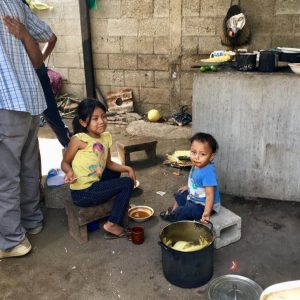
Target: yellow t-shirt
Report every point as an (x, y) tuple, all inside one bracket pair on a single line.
[(92, 157)]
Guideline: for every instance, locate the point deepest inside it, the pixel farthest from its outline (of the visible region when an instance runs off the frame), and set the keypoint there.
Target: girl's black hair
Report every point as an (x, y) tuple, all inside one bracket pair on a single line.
[(206, 138), (85, 111)]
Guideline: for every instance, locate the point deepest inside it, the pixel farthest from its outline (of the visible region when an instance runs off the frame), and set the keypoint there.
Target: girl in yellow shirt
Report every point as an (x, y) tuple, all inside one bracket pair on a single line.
[(93, 177)]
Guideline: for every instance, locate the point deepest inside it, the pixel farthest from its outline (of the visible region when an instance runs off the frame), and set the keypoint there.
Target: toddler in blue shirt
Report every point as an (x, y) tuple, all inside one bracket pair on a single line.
[(201, 197)]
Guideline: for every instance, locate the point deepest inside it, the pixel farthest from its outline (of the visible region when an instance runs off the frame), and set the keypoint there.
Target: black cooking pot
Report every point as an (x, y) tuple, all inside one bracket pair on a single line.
[(268, 61), (246, 61), (289, 57), (187, 269)]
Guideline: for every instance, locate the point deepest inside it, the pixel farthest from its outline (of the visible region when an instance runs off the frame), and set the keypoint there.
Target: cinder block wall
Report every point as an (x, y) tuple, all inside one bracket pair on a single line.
[(150, 45)]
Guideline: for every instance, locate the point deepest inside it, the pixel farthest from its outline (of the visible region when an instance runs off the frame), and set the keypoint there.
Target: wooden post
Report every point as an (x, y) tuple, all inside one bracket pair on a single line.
[(87, 49)]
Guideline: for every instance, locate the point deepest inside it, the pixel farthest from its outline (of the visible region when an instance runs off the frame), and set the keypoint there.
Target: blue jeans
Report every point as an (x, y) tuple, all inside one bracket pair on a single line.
[(51, 114), (186, 210), (111, 184)]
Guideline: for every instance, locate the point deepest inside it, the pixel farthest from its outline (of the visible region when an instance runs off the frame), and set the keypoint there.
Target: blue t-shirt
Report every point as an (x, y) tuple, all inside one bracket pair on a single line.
[(200, 178)]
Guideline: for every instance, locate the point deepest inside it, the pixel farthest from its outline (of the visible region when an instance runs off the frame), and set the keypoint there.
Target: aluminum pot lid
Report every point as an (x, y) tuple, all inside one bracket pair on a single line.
[(233, 287)]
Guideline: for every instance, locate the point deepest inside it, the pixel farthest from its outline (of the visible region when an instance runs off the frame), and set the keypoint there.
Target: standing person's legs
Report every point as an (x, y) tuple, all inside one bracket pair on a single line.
[(51, 114), (31, 215), (15, 128)]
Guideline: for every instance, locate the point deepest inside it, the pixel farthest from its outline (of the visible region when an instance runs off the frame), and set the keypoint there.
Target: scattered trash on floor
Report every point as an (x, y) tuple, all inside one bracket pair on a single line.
[(161, 193), (234, 265)]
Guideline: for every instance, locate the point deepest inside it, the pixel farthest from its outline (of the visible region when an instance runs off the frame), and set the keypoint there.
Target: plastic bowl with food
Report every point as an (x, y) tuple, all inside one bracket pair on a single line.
[(140, 213), (295, 68)]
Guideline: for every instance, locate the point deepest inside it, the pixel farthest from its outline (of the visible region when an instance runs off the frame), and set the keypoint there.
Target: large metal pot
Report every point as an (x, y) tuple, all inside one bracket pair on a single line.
[(187, 269)]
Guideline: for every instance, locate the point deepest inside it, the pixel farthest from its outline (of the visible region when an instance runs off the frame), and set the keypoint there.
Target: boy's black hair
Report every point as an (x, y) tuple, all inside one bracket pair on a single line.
[(206, 138), (85, 111)]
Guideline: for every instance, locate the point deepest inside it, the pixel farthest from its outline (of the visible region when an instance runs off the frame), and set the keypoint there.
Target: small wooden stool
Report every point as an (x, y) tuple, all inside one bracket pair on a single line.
[(125, 148), (79, 217)]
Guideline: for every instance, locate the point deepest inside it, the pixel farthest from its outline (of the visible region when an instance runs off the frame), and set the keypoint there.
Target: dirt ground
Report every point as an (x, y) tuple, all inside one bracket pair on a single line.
[(59, 268)]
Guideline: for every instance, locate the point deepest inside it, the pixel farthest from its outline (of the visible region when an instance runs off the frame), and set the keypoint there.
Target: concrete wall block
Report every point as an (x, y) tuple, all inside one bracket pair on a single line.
[(68, 43), (189, 60), (198, 26), (186, 80), (141, 45), (99, 27), (214, 8), (107, 9), (110, 77), (289, 41), (161, 8), (122, 61), (76, 76), (262, 24), (154, 95), (258, 7), (100, 61), (259, 42), (66, 27), (189, 45), (207, 44), (107, 45), (137, 9), (153, 62), (154, 27), (191, 8), (284, 24), (162, 79), (161, 45), (66, 60), (288, 7), (122, 27), (297, 26), (186, 98), (139, 78), (68, 11)]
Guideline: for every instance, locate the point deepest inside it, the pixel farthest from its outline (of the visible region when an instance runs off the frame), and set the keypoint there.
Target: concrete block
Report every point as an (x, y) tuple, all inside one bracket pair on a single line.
[(297, 26), (55, 196), (137, 9), (198, 26), (99, 27), (188, 60), (186, 97), (110, 77), (106, 44), (122, 27), (66, 59), (76, 76), (75, 89), (186, 81), (190, 8), (262, 24), (161, 45), (207, 44), (122, 61), (162, 79), (155, 95), (288, 41), (227, 227), (189, 45), (259, 8), (154, 27), (214, 8), (161, 8), (100, 61), (287, 7), (153, 62), (107, 9), (139, 78), (283, 24)]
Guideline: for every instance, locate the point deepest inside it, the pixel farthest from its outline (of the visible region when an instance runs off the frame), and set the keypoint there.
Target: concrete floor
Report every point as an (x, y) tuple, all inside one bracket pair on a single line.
[(59, 268)]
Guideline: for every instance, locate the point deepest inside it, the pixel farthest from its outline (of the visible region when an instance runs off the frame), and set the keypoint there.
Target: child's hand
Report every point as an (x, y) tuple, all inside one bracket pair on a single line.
[(131, 174), (205, 217), (70, 177), (182, 189)]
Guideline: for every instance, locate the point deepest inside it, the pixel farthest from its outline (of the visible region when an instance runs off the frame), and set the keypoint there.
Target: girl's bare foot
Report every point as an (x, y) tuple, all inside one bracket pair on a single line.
[(113, 228)]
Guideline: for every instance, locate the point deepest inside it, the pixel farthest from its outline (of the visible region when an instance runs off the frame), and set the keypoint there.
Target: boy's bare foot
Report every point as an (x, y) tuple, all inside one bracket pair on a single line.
[(113, 228)]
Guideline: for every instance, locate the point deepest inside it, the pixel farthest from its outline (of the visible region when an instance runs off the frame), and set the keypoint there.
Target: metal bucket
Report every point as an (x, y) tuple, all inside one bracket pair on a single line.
[(187, 269)]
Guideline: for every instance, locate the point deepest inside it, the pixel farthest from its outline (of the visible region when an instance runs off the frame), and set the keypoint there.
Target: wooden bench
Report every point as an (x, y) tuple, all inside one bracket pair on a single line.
[(79, 217), (138, 144)]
